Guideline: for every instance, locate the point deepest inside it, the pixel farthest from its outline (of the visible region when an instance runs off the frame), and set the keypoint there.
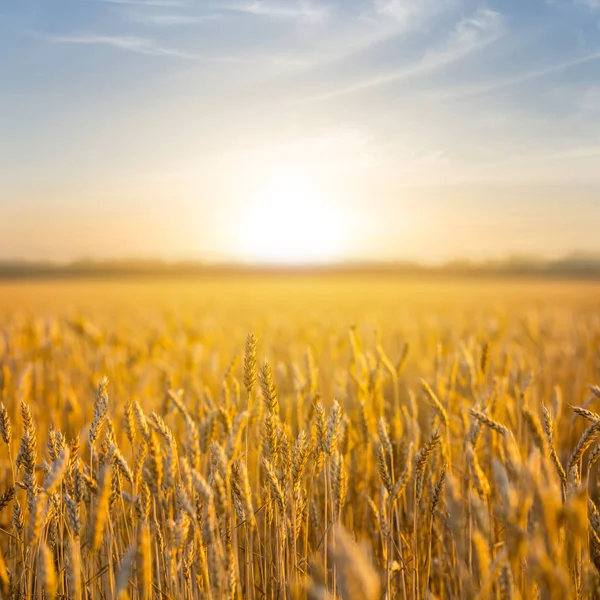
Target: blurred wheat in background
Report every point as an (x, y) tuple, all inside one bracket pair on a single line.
[(436, 446)]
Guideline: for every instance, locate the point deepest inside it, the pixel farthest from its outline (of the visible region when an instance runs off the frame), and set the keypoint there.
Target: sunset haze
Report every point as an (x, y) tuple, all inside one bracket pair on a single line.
[(358, 130)]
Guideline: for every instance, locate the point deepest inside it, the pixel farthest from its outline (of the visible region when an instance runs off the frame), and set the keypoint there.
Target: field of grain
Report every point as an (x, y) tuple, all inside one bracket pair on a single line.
[(355, 437)]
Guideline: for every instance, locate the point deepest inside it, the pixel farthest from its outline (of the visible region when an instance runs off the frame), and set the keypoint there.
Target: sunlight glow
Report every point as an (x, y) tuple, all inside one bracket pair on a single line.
[(290, 221)]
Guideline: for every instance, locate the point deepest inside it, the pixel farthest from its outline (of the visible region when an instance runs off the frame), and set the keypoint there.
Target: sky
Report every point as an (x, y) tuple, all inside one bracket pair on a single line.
[(299, 131)]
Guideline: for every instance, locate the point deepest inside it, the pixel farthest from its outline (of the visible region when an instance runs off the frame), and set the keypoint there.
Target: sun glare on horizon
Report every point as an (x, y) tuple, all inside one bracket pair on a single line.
[(290, 220)]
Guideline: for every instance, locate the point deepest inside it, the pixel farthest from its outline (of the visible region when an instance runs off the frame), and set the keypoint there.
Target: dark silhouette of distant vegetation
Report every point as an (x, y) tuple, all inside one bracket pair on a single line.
[(572, 266)]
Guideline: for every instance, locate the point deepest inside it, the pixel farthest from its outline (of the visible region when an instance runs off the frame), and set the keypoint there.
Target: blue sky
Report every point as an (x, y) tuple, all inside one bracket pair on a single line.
[(150, 127)]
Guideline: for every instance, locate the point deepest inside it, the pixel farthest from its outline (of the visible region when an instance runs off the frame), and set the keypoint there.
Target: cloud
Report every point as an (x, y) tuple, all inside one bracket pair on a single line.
[(366, 24), (483, 26), (150, 48), (575, 164), (404, 11), (148, 3), (399, 9), (469, 35), (305, 10), (493, 86), (589, 101), (593, 4), (170, 19), (133, 44)]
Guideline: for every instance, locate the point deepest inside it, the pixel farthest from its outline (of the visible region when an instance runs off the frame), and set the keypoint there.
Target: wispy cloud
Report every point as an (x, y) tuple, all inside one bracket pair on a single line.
[(405, 11), (135, 44), (493, 86), (593, 4), (378, 22), (469, 35), (167, 20), (306, 10), (149, 47), (574, 164), (148, 3), (589, 101)]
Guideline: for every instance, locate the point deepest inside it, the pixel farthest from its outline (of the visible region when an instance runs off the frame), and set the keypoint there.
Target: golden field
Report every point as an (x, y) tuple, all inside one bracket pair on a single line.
[(373, 437)]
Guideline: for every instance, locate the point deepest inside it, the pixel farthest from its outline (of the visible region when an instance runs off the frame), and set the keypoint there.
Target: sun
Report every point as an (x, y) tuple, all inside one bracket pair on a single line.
[(290, 221)]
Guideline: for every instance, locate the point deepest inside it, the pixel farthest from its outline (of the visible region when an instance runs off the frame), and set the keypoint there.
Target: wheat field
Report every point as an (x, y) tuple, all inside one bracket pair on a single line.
[(300, 438)]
